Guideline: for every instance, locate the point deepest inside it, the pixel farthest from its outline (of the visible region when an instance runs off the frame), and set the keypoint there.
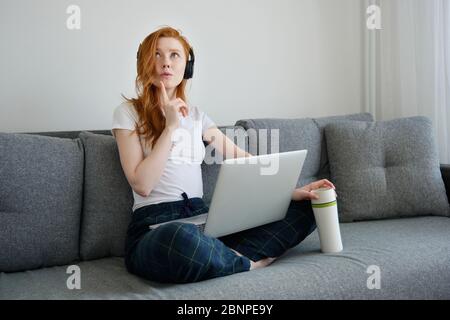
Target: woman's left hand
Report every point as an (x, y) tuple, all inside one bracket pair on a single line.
[(304, 193)]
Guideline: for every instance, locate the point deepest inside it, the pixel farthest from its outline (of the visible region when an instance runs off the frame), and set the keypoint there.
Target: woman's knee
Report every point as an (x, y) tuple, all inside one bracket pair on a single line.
[(307, 219), (166, 239), (163, 249), (175, 233)]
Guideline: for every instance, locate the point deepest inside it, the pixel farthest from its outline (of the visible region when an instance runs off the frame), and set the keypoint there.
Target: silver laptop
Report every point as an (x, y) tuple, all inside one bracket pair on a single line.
[(250, 192)]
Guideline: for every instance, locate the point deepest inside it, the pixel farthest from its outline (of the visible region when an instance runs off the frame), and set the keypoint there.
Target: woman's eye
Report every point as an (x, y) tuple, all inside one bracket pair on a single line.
[(174, 53)]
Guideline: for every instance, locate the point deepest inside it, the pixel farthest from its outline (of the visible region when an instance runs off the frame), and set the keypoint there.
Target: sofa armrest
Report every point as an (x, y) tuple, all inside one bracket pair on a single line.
[(445, 171)]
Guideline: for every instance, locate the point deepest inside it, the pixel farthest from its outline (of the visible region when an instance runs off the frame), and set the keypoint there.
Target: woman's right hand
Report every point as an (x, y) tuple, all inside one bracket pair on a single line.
[(171, 108)]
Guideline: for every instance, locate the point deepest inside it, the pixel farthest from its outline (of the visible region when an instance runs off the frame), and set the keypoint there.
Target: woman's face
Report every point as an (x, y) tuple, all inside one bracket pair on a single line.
[(170, 62)]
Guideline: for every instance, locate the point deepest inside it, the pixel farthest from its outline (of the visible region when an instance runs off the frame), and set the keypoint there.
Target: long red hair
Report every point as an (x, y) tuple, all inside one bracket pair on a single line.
[(147, 104)]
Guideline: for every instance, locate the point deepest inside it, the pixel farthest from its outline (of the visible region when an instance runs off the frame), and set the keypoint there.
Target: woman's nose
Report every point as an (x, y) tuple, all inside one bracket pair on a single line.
[(166, 63)]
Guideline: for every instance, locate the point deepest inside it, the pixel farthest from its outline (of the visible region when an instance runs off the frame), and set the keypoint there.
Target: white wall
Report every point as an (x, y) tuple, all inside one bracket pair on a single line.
[(254, 59)]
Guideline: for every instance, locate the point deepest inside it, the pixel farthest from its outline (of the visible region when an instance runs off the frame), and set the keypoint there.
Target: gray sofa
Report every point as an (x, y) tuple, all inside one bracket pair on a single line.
[(64, 201)]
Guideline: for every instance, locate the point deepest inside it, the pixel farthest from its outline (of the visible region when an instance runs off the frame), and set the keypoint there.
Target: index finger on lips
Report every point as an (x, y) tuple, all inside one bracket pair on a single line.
[(164, 93)]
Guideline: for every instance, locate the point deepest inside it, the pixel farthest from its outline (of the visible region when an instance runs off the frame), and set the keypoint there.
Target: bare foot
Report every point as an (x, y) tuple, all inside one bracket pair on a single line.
[(261, 263), (258, 264)]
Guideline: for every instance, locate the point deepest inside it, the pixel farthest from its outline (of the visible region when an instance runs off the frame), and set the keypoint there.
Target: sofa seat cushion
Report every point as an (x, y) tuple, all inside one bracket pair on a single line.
[(410, 255), (41, 184), (386, 169)]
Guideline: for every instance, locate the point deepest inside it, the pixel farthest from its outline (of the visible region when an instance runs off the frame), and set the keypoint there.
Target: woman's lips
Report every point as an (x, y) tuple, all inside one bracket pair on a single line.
[(166, 75)]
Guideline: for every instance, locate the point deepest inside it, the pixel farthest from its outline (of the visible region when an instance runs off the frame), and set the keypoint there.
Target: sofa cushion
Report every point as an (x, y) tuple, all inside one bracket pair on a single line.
[(411, 257), (108, 199), (41, 181), (386, 169), (297, 134)]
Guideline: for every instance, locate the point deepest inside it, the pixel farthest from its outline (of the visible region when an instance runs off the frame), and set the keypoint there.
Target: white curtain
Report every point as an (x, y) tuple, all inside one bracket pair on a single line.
[(407, 64)]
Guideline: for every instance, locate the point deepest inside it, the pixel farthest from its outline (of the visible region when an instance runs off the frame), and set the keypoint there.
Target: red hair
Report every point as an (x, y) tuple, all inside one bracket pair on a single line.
[(147, 104)]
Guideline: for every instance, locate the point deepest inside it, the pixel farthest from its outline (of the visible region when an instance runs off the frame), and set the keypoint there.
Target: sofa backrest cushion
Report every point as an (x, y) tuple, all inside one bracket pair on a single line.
[(298, 134), (41, 181), (108, 199), (386, 169)]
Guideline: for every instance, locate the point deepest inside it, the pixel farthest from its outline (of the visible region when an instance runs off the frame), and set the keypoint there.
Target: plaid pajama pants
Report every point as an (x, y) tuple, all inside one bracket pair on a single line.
[(180, 253)]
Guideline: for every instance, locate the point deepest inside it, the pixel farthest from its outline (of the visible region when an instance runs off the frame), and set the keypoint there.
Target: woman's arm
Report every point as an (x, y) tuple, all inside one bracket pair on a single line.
[(223, 144), (143, 173)]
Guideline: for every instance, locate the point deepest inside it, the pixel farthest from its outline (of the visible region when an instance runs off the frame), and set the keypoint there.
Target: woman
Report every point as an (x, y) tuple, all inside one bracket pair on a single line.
[(167, 183)]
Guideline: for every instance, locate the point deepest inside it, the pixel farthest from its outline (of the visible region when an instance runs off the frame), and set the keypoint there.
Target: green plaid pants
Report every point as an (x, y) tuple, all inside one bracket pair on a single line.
[(180, 253)]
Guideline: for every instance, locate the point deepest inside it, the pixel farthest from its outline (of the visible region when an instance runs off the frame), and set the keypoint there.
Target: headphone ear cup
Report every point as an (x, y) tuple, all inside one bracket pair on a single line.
[(189, 70)]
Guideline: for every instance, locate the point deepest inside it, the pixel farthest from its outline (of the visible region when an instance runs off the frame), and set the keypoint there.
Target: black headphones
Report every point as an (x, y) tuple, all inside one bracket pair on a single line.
[(189, 71)]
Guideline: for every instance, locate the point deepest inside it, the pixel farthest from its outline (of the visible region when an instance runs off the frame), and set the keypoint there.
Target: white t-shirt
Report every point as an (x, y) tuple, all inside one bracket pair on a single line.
[(182, 172)]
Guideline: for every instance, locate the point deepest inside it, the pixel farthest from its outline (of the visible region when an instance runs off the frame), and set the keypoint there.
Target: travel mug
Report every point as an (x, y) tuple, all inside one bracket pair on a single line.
[(327, 221)]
